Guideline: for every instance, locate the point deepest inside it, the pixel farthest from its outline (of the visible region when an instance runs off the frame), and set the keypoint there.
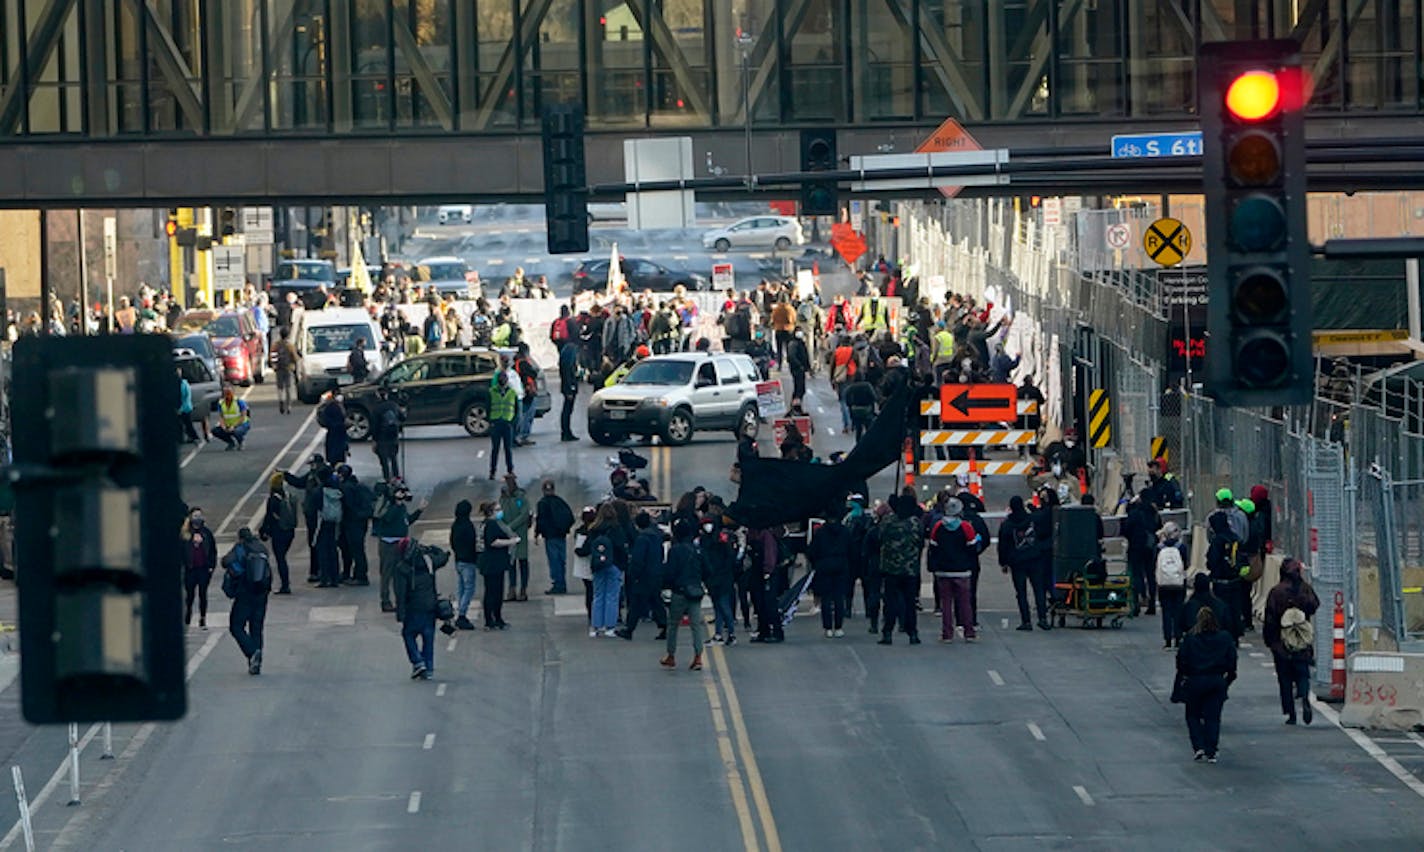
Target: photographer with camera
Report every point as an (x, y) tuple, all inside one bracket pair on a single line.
[(419, 605), (390, 524)]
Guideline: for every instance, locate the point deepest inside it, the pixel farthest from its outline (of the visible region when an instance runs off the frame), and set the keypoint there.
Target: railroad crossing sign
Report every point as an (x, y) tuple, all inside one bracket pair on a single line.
[(1167, 242), (1118, 236), (984, 403)]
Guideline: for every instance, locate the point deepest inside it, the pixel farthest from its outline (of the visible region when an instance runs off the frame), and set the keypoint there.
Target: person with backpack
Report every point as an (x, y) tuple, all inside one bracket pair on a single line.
[(1206, 667), (328, 534), (685, 580), (356, 361), (279, 525), (829, 554), (386, 420), (390, 525), (286, 369), (1019, 557), (859, 525), (607, 551), (1226, 557), (1202, 597), (495, 562), (433, 330), (953, 552), (247, 579), (553, 520), (901, 539), (798, 361), (358, 503), (1171, 575), (644, 579), (561, 329), (1139, 527), (1288, 629), (417, 603)]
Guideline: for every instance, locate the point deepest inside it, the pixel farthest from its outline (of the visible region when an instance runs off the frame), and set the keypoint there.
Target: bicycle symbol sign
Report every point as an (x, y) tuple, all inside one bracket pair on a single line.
[(1167, 242)]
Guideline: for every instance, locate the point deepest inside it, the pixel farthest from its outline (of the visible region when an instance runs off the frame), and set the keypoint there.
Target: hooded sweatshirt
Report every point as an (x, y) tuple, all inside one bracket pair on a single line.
[(1013, 530), (952, 547)]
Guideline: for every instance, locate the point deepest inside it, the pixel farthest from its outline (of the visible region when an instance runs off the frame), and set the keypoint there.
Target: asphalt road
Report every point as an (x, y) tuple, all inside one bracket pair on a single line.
[(540, 738)]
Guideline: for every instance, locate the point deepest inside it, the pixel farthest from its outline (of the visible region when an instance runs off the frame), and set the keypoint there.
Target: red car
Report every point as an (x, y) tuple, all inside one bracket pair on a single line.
[(240, 347)]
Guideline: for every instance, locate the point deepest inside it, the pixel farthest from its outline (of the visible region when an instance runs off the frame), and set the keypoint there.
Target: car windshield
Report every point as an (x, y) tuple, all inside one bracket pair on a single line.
[(224, 326), (199, 343), (659, 373), (194, 370), (305, 272), (442, 271), (338, 338)]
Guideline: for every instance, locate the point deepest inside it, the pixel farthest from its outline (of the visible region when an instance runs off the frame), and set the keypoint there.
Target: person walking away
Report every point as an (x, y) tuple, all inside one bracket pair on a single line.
[(515, 505), (1019, 557), (504, 401), (248, 581), (279, 526), (953, 551), (358, 504), (1288, 629), (186, 433), (466, 545), (1171, 575), (328, 534), (416, 604), (1258, 544), (234, 420), (859, 524), (286, 361), (200, 559), (310, 483), (1042, 517), (391, 524), (644, 578), (1227, 531), (1203, 597), (356, 362), (1140, 528), (433, 329), (553, 520), (901, 539), (974, 516), (386, 420), (607, 549), (495, 562), (719, 548), (686, 579), (1206, 664), (332, 417), (568, 387), (829, 553)]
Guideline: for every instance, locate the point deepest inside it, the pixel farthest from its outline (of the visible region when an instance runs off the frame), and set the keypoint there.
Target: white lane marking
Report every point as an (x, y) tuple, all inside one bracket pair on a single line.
[(61, 774), (1372, 749), (1257, 654), (192, 455), (1004, 623), (571, 260), (440, 690), (267, 472), (480, 454), (997, 678), (820, 410), (413, 806), (1083, 794), (332, 615), (1037, 732), (450, 647), (429, 742), (679, 257), (498, 261), (1265, 665), (1245, 644)]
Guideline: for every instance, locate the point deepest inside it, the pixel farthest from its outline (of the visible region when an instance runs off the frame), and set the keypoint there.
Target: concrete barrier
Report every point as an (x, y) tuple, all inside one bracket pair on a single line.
[(1384, 690)]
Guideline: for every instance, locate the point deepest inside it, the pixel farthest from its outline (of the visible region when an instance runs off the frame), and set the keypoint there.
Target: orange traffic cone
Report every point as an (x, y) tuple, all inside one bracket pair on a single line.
[(909, 458), (976, 483)]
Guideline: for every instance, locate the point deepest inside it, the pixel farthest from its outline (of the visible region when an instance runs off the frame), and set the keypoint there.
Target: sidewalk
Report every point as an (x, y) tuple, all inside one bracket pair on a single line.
[(9, 616)]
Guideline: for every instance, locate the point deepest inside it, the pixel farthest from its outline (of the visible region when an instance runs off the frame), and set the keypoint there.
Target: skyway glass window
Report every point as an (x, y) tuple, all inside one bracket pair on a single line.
[(670, 373), (442, 272)]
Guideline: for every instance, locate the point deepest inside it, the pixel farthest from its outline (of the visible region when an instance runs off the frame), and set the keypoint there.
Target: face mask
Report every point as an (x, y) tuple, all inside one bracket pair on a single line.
[(195, 523), (1070, 444), (707, 528), (1057, 469)]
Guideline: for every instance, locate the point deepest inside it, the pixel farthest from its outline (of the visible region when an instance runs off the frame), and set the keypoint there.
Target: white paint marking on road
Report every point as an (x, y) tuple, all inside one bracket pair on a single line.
[(451, 646), (1004, 623), (429, 742), (62, 772), (469, 480), (1265, 665), (440, 690), (1245, 644), (479, 455), (1415, 738), (571, 260), (531, 260), (1372, 749), (524, 231), (343, 615), (1083, 795), (413, 806), (820, 410), (1257, 654), (1037, 732), (679, 257), (997, 678), (497, 261), (192, 455), (496, 233), (831, 430)]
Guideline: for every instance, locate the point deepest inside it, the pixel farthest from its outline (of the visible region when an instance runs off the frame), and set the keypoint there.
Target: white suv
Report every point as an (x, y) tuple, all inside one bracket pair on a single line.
[(676, 395), (778, 232), (449, 213)]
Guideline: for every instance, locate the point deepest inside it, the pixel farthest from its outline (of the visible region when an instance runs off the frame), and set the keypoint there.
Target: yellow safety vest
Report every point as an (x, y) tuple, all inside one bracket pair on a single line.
[(879, 317), (943, 346), (231, 415)]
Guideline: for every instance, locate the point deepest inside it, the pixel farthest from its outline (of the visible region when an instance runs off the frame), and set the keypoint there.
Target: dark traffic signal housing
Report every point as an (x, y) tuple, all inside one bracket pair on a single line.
[(97, 519), (1252, 98), (818, 154), (565, 180)]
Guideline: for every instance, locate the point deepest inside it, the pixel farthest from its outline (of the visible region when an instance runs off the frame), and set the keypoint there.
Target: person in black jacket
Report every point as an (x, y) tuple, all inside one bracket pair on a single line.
[(318, 471), (332, 417), (358, 504), (494, 562), (719, 548), (1292, 664), (569, 388), (553, 521), (1206, 665), (685, 579), (386, 420), (200, 558), (416, 603), (279, 525), (465, 543), (1140, 528), (645, 578), (829, 552), (1202, 598), (1019, 557), (799, 361), (250, 584)]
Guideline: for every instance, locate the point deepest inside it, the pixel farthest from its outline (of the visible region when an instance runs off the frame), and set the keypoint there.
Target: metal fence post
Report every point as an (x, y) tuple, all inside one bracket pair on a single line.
[(73, 763), (24, 804), (108, 742)]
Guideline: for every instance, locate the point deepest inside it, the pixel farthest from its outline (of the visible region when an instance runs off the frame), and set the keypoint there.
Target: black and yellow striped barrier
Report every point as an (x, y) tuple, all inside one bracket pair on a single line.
[(1099, 418)]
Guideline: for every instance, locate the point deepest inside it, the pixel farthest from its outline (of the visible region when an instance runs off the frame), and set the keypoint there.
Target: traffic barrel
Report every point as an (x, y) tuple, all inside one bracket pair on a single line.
[(1337, 656), (976, 482), (909, 458)]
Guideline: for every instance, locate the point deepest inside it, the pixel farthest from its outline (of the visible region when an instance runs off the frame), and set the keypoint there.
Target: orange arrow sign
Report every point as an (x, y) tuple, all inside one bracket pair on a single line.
[(987, 403)]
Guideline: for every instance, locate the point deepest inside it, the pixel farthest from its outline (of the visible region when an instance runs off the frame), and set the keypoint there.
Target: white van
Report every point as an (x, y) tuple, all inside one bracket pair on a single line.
[(323, 340)]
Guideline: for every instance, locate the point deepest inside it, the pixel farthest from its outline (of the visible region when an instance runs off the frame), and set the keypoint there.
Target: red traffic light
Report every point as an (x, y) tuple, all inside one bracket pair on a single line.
[(1254, 95), (170, 228)]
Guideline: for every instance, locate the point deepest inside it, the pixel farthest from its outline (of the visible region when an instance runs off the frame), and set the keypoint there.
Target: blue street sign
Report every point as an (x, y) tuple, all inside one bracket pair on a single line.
[(1185, 144)]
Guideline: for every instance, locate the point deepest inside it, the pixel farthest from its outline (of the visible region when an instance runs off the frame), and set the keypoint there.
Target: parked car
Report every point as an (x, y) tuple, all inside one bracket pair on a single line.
[(778, 232), (439, 387), (309, 279), (674, 396), (204, 384), (199, 343), (241, 349), (639, 272), (323, 340), (451, 213), (449, 276)]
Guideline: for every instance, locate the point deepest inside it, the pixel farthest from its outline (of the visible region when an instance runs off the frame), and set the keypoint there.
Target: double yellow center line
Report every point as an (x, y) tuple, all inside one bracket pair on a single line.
[(738, 760)]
